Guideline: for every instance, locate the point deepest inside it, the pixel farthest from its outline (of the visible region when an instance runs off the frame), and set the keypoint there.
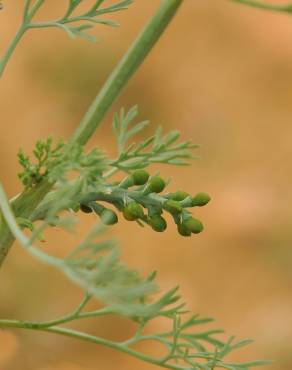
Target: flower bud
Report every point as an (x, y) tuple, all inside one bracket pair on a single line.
[(183, 230), (156, 184), (86, 209), (193, 225), (140, 177), (179, 195), (108, 217), (158, 223), (200, 199), (173, 207), (133, 211)]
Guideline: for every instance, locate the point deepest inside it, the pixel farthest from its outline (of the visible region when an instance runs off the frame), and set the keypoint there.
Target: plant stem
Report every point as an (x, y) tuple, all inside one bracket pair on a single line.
[(260, 5), (25, 204), (11, 47), (89, 338), (35, 8), (124, 70)]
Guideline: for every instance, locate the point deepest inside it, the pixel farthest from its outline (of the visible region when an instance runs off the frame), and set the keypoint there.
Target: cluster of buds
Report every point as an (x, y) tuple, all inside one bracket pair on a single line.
[(138, 197)]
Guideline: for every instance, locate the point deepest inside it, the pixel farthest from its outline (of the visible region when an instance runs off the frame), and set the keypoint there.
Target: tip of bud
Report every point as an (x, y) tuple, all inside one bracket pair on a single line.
[(201, 199), (133, 211), (158, 223), (193, 225), (183, 230), (108, 217), (156, 184), (179, 195)]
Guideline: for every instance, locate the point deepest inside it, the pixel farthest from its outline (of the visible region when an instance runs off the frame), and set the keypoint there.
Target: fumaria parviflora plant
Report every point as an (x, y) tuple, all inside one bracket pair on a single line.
[(52, 198)]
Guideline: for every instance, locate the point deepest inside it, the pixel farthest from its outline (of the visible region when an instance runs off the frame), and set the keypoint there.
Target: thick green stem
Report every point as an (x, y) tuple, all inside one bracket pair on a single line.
[(25, 204), (124, 70)]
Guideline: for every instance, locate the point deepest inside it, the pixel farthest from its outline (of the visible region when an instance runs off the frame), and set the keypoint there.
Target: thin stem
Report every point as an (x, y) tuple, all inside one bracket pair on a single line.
[(89, 338), (11, 47), (27, 16), (26, 9), (125, 70), (261, 5), (34, 9)]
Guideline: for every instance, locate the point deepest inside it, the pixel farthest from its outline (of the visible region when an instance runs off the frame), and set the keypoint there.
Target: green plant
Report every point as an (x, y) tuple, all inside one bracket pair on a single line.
[(62, 179)]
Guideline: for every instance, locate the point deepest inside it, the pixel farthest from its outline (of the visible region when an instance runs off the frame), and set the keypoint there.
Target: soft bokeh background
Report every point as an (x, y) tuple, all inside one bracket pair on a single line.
[(222, 74)]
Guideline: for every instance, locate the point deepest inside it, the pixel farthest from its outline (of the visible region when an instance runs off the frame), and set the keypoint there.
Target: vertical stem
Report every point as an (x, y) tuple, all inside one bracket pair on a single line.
[(124, 70)]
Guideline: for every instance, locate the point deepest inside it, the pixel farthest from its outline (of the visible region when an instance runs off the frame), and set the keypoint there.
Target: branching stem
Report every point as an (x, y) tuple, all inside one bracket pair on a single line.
[(92, 119)]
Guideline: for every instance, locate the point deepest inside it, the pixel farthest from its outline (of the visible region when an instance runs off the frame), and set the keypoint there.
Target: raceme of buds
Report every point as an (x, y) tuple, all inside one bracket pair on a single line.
[(138, 196)]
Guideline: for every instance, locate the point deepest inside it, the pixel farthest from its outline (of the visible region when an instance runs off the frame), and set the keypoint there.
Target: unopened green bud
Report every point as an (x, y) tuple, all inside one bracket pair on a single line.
[(173, 207), (108, 217), (183, 230), (200, 199), (86, 209), (158, 223), (133, 211), (194, 225), (179, 195), (140, 177), (156, 184)]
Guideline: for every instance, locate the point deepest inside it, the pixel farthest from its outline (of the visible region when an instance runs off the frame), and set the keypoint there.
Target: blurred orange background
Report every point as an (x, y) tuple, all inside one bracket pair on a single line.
[(222, 74)]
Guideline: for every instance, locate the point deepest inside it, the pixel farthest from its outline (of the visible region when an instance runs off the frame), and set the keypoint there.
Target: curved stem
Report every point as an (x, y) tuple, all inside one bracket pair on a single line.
[(261, 5), (89, 338), (11, 47), (27, 16)]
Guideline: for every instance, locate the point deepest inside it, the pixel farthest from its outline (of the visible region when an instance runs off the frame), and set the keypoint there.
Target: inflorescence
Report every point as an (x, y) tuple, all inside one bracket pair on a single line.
[(138, 197)]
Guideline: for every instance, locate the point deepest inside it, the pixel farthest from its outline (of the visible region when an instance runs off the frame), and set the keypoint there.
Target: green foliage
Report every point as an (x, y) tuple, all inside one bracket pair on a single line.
[(95, 266), (76, 23), (56, 164), (65, 179), (155, 149), (46, 155)]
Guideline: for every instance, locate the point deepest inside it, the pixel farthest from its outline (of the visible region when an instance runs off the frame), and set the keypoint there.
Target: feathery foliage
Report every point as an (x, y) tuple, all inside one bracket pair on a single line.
[(62, 179)]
